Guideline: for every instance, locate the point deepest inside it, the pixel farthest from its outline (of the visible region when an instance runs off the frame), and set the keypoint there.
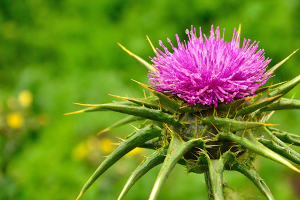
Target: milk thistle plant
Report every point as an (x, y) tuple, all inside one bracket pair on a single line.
[(208, 111)]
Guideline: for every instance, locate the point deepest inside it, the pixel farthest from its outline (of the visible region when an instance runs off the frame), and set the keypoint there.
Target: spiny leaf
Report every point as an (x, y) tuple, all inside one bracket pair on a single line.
[(253, 106), (280, 63), (285, 136), (98, 107), (283, 104), (148, 163), (141, 136), (285, 88), (272, 142), (145, 64), (139, 111), (143, 102), (252, 175), (250, 143), (231, 124), (123, 121), (262, 89), (284, 151), (177, 149)]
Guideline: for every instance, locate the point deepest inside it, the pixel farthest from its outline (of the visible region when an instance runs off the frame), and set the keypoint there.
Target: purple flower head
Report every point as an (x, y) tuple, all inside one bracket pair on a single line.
[(209, 70)]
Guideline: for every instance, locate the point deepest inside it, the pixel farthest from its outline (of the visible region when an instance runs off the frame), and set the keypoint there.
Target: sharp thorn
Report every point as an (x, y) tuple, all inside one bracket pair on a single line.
[(80, 194), (125, 98), (76, 112), (87, 105), (153, 48), (103, 131)]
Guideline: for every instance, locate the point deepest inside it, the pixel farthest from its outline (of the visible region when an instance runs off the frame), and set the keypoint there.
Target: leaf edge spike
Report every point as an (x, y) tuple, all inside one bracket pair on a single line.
[(143, 85), (275, 67), (238, 38), (90, 109), (144, 63), (153, 48)]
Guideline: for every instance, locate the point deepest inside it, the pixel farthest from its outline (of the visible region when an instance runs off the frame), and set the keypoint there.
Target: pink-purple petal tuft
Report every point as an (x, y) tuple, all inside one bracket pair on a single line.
[(209, 70)]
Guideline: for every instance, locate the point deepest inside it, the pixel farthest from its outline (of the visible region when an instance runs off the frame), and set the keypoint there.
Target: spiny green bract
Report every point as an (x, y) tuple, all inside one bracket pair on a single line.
[(205, 139)]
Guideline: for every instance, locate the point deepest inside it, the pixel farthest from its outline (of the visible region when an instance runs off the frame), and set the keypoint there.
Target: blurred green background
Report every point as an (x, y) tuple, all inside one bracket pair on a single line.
[(54, 53)]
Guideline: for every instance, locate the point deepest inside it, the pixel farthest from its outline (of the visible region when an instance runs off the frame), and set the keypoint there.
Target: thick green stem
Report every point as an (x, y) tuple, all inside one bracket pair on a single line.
[(214, 180)]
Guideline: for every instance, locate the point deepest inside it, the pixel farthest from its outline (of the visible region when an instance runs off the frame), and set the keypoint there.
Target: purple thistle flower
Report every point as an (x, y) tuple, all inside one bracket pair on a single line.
[(210, 70)]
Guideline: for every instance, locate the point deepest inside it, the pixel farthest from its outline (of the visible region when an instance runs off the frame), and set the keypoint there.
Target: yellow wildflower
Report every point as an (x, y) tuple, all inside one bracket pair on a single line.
[(14, 120), (105, 144), (25, 98), (80, 151), (134, 152)]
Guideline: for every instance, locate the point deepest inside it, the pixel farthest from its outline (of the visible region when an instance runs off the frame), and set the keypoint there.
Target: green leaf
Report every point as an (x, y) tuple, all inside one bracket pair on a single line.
[(249, 142), (262, 89), (176, 150), (144, 102), (226, 124), (283, 104), (140, 137), (139, 111), (98, 107), (252, 175), (255, 105), (284, 151), (286, 137), (148, 163), (285, 88), (272, 142)]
